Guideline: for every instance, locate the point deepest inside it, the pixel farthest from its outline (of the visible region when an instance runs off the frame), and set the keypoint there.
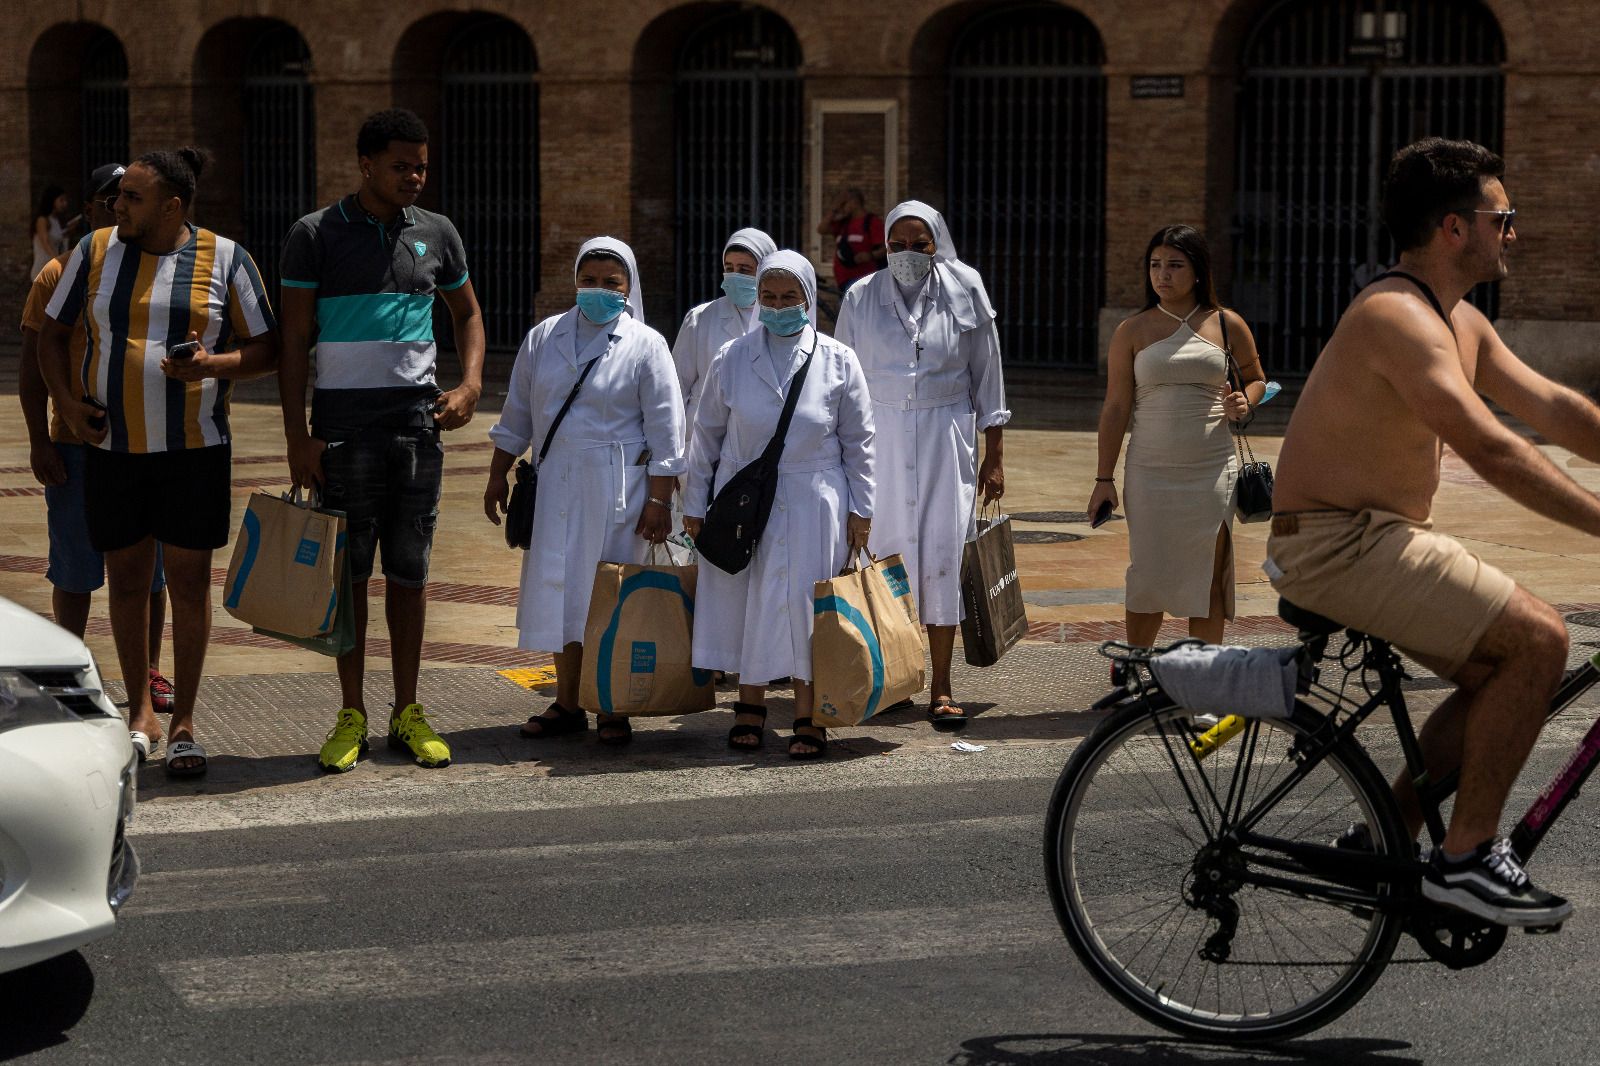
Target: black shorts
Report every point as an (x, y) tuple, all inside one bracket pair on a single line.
[(387, 482), (183, 498)]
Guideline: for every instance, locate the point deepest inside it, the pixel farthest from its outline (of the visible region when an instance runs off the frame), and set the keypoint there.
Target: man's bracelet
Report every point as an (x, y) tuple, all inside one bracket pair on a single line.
[(1107, 480), (659, 503)]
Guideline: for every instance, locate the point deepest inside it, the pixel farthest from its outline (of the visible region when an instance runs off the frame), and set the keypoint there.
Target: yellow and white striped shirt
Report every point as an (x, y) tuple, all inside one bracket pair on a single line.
[(136, 305)]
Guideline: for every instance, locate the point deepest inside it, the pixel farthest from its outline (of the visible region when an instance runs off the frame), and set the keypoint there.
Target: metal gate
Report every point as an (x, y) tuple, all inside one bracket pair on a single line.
[(279, 145), (488, 170), (105, 101), (1026, 164), (740, 140), (1330, 91)]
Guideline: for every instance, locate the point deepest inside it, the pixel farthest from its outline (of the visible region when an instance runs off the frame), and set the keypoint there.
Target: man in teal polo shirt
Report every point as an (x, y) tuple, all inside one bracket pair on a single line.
[(360, 277)]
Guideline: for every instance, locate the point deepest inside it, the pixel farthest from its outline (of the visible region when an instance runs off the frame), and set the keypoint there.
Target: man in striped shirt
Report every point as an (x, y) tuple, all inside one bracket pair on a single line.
[(159, 470)]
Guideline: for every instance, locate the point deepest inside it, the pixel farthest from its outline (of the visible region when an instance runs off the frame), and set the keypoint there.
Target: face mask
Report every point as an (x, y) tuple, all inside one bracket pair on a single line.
[(909, 267), (601, 305), (741, 289), (785, 321)]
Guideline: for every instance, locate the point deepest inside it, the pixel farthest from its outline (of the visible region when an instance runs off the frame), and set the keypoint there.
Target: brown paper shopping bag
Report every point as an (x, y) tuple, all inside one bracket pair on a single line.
[(866, 644), (284, 575), (991, 597), (638, 643)]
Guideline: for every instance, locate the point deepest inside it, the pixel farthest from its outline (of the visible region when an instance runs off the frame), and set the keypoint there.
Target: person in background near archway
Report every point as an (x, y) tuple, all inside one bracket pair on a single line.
[(1169, 376), (58, 458), (858, 234), (363, 274), (604, 487), (757, 623), (709, 326), (924, 332), (48, 228)]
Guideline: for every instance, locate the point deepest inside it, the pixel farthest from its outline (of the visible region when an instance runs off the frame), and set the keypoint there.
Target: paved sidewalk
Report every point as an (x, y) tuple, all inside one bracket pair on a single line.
[(266, 706)]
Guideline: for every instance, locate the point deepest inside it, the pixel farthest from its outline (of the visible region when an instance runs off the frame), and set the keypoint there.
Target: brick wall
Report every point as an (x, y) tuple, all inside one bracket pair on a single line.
[(606, 116)]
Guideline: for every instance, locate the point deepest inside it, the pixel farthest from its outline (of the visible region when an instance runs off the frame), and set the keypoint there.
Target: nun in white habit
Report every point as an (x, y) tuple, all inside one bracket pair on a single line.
[(924, 331), (604, 486), (707, 327), (758, 623)]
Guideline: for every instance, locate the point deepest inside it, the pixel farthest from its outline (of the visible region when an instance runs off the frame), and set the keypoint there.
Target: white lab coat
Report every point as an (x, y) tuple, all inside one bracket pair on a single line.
[(706, 328), (758, 623), (592, 486), (928, 407)]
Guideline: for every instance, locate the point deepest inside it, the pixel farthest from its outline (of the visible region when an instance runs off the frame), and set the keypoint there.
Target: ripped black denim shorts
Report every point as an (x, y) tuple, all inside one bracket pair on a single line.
[(387, 482)]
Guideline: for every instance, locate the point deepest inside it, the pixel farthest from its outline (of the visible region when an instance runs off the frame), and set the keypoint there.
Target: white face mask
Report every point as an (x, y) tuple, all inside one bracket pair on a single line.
[(909, 267)]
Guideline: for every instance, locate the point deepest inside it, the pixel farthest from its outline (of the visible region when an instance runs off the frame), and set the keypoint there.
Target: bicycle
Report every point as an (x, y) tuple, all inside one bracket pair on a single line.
[(1203, 870)]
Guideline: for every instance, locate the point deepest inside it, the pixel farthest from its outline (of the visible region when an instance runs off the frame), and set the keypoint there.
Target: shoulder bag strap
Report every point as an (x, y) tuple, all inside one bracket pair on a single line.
[(774, 447), (1241, 442), (561, 414)]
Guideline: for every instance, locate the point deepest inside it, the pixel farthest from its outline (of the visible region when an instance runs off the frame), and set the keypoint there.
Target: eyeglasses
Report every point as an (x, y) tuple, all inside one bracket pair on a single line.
[(1507, 218), (105, 203), (923, 246)]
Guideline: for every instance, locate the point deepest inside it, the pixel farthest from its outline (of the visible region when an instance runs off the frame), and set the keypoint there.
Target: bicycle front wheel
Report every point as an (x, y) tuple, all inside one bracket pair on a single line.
[(1174, 923)]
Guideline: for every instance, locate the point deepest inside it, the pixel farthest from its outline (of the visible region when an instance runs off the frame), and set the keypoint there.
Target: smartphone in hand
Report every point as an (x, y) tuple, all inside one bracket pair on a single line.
[(185, 350), (99, 419), (1102, 515)]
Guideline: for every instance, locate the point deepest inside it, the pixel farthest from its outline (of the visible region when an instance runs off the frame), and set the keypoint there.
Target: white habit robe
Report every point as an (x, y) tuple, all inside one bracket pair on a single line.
[(706, 328), (758, 623), (592, 485), (933, 366)]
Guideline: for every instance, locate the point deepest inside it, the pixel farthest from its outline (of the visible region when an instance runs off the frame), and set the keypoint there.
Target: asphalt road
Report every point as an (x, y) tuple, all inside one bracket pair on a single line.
[(868, 910)]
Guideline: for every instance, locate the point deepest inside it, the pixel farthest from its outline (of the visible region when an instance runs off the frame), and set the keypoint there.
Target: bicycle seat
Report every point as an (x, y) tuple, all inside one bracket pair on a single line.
[(1307, 621)]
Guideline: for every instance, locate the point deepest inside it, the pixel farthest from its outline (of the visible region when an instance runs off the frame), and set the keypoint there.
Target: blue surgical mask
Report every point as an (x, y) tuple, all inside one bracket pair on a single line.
[(741, 289), (785, 321), (601, 305)]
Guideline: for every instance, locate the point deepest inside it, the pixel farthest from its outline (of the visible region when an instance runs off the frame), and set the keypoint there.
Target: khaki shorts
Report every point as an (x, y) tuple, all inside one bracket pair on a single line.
[(1390, 576)]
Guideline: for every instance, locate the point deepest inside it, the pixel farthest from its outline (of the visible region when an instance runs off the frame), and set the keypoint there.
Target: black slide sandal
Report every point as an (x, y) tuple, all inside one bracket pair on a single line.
[(819, 742), (558, 725), (748, 729)]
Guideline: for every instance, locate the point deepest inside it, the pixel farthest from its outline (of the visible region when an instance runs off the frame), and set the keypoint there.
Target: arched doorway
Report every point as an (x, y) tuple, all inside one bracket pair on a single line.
[(489, 180), (738, 144), (280, 167), (105, 100), (1026, 176), (1329, 91), (77, 104)]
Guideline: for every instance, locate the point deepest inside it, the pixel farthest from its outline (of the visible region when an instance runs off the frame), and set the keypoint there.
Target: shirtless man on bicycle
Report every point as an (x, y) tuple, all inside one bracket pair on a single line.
[(1352, 539)]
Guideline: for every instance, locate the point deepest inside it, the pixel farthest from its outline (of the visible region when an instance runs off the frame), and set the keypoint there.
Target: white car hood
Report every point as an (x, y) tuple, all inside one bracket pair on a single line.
[(28, 641)]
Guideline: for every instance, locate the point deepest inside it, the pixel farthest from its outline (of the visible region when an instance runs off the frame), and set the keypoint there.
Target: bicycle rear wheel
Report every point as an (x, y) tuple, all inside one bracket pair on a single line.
[(1147, 902)]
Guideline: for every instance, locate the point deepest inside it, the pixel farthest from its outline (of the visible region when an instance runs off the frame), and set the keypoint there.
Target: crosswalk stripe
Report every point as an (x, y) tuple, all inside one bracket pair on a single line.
[(446, 969), (259, 884), (358, 798)]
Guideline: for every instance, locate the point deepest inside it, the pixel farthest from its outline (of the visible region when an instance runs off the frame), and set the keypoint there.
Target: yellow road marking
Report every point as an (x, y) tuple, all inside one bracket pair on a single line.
[(531, 677)]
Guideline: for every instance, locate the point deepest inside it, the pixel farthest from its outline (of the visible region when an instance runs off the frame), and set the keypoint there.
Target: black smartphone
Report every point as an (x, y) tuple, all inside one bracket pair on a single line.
[(1102, 515), (185, 350), (99, 420)]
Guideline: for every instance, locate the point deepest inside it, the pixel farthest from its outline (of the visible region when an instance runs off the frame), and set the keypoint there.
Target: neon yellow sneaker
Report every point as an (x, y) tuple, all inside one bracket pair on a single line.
[(409, 730), (347, 742)]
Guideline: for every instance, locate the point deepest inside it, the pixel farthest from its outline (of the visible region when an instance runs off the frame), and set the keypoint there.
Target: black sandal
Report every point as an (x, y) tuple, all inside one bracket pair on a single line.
[(616, 732), (819, 742), (561, 723), (748, 729), (947, 723)]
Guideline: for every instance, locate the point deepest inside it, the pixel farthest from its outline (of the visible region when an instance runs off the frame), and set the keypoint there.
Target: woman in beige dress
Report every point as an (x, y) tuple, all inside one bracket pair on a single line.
[(1168, 377)]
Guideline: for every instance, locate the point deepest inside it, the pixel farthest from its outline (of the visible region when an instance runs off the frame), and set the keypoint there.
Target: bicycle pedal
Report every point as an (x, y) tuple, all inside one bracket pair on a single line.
[(1542, 930)]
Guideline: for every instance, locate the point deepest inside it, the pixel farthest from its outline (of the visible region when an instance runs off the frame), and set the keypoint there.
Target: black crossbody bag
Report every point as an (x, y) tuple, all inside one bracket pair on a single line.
[(739, 511), (1253, 492), (519, 512)]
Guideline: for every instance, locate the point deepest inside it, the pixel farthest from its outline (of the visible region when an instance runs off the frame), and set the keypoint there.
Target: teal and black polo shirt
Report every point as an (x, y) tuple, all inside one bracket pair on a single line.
[(375, 283)]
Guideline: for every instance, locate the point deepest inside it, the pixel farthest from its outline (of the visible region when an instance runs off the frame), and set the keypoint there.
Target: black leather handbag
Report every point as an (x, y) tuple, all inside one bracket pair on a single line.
[(740, 509), (1253, 491), (519, 512)]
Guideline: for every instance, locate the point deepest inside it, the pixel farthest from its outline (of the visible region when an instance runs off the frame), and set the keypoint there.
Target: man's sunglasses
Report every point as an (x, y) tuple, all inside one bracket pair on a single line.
[(1507, 218)]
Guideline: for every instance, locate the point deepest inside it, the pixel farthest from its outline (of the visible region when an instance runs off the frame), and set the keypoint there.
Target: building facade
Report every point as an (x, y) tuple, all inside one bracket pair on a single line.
[(1055, 137)]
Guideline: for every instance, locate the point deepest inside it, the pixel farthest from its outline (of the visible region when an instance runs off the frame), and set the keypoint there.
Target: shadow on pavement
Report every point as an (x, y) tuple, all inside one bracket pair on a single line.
[(31, 1021), (1088, 1049)]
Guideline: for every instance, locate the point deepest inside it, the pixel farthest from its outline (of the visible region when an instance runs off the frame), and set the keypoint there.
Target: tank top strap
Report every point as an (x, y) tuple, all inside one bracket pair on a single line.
[(1427, 291)]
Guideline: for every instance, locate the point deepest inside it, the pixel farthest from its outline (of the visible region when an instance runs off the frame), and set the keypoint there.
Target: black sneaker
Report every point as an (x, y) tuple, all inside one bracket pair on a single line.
[(1491, 884)]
